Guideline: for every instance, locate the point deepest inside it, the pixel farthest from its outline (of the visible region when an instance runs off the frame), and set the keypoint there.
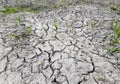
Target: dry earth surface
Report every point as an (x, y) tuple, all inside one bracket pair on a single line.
[(67, 45)]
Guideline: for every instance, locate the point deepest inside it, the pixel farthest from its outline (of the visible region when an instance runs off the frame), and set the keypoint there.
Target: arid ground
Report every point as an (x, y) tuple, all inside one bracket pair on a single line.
[(59, 42)]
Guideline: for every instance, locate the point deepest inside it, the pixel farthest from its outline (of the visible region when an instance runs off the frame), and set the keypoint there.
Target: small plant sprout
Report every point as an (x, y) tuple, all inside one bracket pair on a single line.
[(28, 31), (41, 64), (17, 21), (92, 24), (15, 36), (56, 25)]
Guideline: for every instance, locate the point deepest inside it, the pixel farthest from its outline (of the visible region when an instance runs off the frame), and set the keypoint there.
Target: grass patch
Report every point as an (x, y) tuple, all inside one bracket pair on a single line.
[(11, 10), (114, 38)]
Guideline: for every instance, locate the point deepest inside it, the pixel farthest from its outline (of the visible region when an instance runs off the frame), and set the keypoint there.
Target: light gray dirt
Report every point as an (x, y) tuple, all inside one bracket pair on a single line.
[(75, 53)]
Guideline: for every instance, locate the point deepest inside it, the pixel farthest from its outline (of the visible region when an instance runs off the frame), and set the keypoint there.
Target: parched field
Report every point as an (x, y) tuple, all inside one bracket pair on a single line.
[(59, 42)]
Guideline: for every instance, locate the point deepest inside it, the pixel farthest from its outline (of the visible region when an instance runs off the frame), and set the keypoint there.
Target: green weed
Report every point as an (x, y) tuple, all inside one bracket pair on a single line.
[(113, 50), (101, 79), (117, 50)]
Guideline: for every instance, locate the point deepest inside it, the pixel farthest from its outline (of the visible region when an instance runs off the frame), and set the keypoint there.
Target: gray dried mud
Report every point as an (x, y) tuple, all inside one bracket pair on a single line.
[(75, 53)]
